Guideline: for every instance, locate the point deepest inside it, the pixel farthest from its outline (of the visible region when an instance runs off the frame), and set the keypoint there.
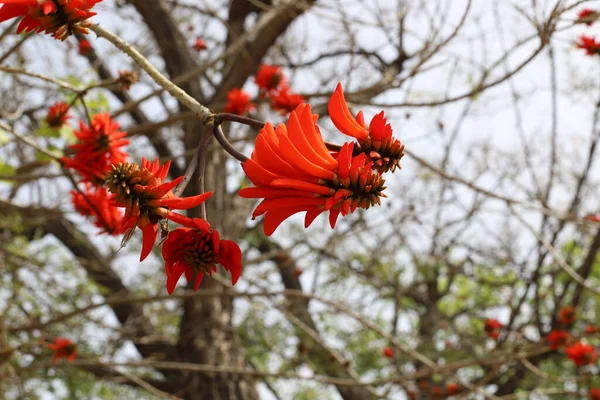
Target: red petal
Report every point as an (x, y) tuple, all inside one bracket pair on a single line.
[(341, 116), (270, 192), (173, 275), (230, 257), (311, 215), (183, 203), (302, 185), (9, 11), (180, 219), (274, 218), (333, 216), (149, 234)]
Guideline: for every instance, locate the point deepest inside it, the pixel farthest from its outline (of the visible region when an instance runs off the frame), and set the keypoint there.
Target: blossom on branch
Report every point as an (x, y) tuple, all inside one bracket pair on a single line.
[(63, 348), (587, 16), (60, 18), (238, 102), (195, 250), (558, 339), (84, 46), (589, 44), (492, 328), (376, 142), (594, 394), (97, 203), (269, 78), (567, 315), (293, 172), (98, 149), (199, 44), (285, 101), (581, 354), (147, 199), (58, 114)]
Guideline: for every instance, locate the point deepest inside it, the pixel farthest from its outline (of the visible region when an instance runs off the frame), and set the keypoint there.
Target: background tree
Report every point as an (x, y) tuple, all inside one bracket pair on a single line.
[(498, 110)]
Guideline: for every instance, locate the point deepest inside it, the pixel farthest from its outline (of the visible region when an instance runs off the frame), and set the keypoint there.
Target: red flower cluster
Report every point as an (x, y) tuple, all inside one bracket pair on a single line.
[(199, 44), (60, 18), (581, 354), (587, 16), (63, 348), (589, 44), (285, 101), (388, 352), (195, 251), (58, 114), (558, 339), (96, 202), (492, 328), (594, 394), (567, 316), (238, 102), (269, 78), (98, 149), (84, 46), (293, 172), (147, 199)]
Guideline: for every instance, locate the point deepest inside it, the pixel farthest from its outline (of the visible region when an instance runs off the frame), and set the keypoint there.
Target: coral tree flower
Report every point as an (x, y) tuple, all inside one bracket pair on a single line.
[(97, 203), (589, 44), (567, 315), (587, 16), (60, 18), (238, 102), (199, 44), (376, 142), (195, 251), (63, 348), (594, 394), (452, 388), (98, 149), (558, 339), (147, 199), (285, 101), (293, 171), (388, 352), (268, 78), (492, 328), (58, 114), (581, 354), (84, 46)]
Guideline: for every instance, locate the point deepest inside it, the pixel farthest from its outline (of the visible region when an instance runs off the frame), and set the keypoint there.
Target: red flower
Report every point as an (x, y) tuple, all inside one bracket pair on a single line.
[(294, 172), (592, 217), (84, 46), (492, 328), (589, 44), (98, 149), (285, 101), (199, 44), (590, 329), (58, 114), (268, 78), (148, 199), (388, 352), (567, 315), (376, 142), (436, 391), (63, 348), (60, 18), (594, 394), (558, 339), (238, 102), (97, 204), (452, 389), (587, 16), (196, 251), (581, 354)]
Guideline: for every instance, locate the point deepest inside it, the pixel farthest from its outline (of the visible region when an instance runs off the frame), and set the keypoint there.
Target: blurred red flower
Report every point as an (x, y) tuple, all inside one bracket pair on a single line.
[(492, 328), (63, 348), (58, 114), (558, 339), (581, 354), (238, 102)]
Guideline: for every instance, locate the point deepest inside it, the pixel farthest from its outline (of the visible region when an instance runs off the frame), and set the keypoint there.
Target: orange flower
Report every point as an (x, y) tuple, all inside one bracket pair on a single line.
[(452, 388), (285, 101), (238, 102), (196, 251), (148, 199), (199, 44), (581, 354), (589, 44), (388, 352), (293, 172), (492, 328), (60, 18), (594, 394), (58, 114), (590, 329), (268, 78), (587, 16), (567, 315), (98, 149), (63, 348), (97, 204), (592, 217), (376, 142), (84, 46), (558, 339)]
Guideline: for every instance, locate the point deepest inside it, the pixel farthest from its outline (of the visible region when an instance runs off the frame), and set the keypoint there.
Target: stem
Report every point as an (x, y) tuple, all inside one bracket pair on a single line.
[(203, 158), (218, 132), (198, 109), (220, 117), (332, 147)]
